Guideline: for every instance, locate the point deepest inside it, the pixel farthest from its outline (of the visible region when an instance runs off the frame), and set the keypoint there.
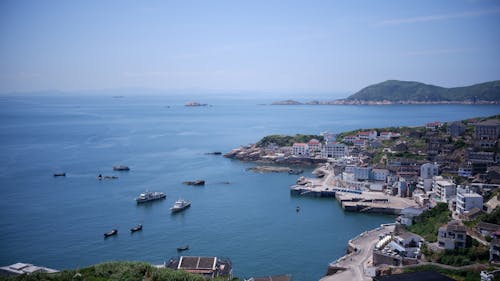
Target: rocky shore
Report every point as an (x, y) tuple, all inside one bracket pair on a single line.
[(252, 153)]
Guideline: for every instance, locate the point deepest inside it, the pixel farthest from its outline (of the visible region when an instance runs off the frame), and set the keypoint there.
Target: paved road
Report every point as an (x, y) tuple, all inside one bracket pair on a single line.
[(355, 262)]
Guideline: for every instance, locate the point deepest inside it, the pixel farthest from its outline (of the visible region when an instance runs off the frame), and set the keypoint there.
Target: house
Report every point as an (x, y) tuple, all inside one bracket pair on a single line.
[(367, 135), (483, 157), (465, 171), (24, 268), (472, 214), (300, 149), (487, 133), (314, 145), (456, 129), (359, 143), (335, 150), (452, 236), (362, 173), (350, 138), (433, 125), (495, 250), (208, 267), (487, 229), (468, 200), (492, 204), (389, 135)]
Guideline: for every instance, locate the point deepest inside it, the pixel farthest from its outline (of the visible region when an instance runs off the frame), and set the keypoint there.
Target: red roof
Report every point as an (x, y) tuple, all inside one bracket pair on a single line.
[(299, 144)]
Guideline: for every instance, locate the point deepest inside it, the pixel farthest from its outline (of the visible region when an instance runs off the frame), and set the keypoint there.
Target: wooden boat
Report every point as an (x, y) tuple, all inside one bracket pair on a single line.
[(183, 248), (110, 233), (136, 228)]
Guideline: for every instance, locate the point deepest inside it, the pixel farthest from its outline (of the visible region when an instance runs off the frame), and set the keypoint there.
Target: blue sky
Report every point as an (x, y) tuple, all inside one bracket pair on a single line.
[(232, 46)]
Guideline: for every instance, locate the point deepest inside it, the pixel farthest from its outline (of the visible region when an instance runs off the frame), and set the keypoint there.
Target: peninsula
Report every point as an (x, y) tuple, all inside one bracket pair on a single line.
[(410, 92)]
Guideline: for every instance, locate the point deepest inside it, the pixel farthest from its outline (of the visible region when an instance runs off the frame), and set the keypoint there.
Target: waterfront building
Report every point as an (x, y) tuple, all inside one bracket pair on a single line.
[(335, 150), (300, 149), (362, 173), (428, 170), (452, 236), (402, 187), (467, 200), (379, 174), (24, 268), (433, 125)]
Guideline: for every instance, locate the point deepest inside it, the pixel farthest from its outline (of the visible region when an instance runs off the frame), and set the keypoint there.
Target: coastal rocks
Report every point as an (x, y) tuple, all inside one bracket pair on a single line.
[(286, 102), (253, 153), (269, 169), (196, 182)]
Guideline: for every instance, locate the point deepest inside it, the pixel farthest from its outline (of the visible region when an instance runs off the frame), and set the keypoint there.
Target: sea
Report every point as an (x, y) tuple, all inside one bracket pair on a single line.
[(247, 217)]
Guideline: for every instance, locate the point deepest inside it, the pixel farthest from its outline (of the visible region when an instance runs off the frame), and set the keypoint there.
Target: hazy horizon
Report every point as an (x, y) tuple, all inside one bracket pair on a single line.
[(318, 47)]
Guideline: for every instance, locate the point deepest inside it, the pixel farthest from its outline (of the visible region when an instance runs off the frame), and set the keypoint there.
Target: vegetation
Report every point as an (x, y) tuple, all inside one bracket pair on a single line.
[(112, 271), (461, 257), (428, 223), (461, 274), (284, 140), (394, 90)]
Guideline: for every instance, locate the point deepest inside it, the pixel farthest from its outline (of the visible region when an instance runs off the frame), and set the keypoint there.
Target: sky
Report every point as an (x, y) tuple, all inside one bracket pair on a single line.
[(244, 46)]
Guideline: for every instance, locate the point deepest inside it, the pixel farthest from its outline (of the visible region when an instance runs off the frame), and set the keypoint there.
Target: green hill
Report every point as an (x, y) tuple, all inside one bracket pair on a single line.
[(395, 91)]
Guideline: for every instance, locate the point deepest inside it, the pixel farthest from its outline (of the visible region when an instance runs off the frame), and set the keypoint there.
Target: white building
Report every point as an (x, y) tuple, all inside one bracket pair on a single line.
[(467, 200), (445, 189), (428, 170), (334, 150), (24, 268), (425, 184), (300, 149)]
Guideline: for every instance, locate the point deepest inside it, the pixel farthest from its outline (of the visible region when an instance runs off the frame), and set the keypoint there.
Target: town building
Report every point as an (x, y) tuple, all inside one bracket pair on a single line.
[(495, 250), (335, 150), (350, 138), (485, 157), (428, 170), (465, 171), (362, 173), (456, 129), (433, 125), (300, 149), (445, 189), (487, 229), (452, 236), (314, 145), (489, 130), (467, 200), (24, 268), (379, 174)]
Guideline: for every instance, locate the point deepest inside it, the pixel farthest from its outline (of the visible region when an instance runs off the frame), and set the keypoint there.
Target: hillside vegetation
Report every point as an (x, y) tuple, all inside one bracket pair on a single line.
[(394, 90), (284, 140), (428, 223), (112, 271)]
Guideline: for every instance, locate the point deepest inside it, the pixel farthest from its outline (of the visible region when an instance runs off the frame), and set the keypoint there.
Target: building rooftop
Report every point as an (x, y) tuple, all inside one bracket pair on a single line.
[(489, 122), (272, 278)]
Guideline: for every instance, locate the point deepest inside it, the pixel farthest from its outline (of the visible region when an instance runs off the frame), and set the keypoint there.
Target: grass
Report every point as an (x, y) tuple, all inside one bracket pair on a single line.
[(428, 223), (113, 271)]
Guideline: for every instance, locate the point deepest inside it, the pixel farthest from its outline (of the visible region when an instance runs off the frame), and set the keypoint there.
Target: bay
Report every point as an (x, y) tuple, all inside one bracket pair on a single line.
[(59, 222)]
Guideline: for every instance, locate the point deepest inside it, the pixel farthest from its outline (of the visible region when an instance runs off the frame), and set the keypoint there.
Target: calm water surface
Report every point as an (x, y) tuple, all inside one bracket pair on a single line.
[(59, 222)]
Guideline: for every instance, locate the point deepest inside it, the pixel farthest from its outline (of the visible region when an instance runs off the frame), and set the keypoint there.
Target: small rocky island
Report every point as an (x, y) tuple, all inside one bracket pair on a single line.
[(286, 102), (195, 103)]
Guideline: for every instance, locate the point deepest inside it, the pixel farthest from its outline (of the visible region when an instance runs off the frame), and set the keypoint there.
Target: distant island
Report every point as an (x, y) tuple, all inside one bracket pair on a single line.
[(409, 92), (195, 103)]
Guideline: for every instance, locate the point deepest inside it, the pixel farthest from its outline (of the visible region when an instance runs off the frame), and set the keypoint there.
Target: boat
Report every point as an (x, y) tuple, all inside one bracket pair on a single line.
[(183, 248), (110, 233), (196, 182), (297, 209), (136, 228), (180, 205), (150, 196), (121, 168), (60, 175), (295, 171)]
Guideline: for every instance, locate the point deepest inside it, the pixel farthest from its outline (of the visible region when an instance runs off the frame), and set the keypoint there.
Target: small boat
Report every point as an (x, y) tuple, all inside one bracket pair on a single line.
[(136, 228), (183, 248), (60, 175), (180, 205), (297, 209), (110, 233), (121, 168), (196, 182), (295, 171)]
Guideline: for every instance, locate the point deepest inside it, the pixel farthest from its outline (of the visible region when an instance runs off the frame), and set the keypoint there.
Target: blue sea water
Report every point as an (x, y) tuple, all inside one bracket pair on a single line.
[(59, 222)]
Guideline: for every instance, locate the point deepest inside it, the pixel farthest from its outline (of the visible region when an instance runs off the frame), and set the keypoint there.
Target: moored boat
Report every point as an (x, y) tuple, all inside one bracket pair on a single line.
[(110, 233), (136, 228), (180, 205), (121, 168), (60, 175), (183, 248), (150, 196)]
